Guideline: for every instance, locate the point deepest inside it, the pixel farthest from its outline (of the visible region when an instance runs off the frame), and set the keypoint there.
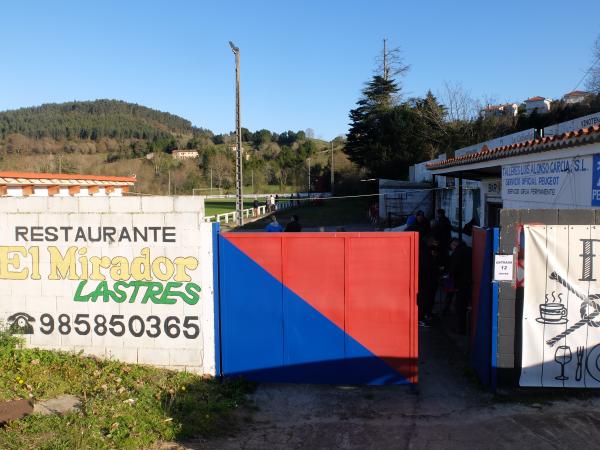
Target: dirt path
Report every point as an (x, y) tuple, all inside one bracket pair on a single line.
[(446, 411)]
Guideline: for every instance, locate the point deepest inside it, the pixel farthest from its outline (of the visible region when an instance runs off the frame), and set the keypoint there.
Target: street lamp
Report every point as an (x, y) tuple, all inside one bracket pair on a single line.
[(239, 199)]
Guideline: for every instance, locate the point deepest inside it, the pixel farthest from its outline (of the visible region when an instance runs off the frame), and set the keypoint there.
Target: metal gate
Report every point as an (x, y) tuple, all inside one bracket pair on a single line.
[(484, 306), (334, 308)]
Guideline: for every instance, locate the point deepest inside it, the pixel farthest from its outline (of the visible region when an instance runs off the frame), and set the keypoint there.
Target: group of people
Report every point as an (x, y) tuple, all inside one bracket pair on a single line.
[(292, 226), (444, 263), (270, 204)]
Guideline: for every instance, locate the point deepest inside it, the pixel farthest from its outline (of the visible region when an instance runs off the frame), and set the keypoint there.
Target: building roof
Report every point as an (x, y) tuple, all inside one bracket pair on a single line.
[(535, 99), (576, 94), (584, 136), (64, 179)]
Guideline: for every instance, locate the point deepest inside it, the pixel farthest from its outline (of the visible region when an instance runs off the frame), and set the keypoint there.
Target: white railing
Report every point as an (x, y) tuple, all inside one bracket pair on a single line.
[(248, 212)]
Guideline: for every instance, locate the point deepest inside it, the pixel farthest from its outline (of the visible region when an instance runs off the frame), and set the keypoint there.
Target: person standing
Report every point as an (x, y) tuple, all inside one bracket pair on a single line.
[(274, 226), (460, 271), (255, 207), (442, 231), (429, 269), (294, 225), (272, 203)]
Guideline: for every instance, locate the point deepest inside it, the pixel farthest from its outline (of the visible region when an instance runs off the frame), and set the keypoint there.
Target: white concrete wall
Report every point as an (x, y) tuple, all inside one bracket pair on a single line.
[(573, 125), (32, 283), (509, 139)]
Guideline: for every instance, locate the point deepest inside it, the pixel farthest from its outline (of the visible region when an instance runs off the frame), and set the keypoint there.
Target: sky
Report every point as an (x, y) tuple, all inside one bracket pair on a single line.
[(303, 63)]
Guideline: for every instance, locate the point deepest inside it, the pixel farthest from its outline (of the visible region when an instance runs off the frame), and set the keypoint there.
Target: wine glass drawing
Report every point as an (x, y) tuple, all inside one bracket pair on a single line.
[(563, 357)]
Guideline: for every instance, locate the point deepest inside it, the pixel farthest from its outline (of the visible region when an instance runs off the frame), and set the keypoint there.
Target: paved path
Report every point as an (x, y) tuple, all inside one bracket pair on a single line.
[(447, 411)]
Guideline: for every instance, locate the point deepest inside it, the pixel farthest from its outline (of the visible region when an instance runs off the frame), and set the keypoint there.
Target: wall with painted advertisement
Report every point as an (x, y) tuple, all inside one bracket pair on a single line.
[(129, 278), (572, 182)]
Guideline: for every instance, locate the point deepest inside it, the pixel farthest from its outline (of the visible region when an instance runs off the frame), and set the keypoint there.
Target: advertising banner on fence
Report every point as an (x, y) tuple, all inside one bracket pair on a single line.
[(132, 285), (561, 310)]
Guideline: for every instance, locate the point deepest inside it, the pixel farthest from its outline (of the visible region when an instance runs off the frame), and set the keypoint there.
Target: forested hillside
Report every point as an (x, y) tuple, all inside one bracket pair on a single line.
[(113, 137), (94, 120)]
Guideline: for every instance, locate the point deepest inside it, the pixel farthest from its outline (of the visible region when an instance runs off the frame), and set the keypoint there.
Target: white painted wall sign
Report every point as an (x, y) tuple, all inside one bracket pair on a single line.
[(566, 182), (561, 311), (129, 278), (573, 125)]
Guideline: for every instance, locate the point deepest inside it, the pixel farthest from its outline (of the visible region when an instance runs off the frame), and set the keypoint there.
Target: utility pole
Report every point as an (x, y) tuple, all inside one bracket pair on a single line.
[(308, 160), (385, 68), (332, 175), (239, 200), (252, 172), (211, 188)]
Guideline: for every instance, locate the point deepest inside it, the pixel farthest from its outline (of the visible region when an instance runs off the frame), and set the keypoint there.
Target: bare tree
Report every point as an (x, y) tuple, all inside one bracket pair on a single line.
[(593, 75), (222, 168), (458, 102), (390, 64)]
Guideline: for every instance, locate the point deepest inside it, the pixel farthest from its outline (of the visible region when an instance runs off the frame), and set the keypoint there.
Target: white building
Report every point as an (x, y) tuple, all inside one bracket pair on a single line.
[(575, 97), (23, 184), (540, 105), (508, 109), (561, 171), (185, 154)]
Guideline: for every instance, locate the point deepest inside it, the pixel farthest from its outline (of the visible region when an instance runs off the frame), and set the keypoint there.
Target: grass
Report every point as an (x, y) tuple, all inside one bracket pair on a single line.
[(321, 213), (123, 405), (225, 205)]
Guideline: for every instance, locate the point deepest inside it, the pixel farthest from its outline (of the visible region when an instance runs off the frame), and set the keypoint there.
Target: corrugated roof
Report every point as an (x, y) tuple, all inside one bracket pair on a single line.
[(584, 136), (28, 178)]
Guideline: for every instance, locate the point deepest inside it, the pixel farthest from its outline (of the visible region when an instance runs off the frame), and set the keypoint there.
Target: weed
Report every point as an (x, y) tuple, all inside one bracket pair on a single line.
[(123, 405)]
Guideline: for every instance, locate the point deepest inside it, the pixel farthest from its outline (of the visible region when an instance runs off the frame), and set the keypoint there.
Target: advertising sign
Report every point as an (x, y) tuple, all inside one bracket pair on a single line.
[(561, 311), (134, 286), (573, 125), (568, 181)]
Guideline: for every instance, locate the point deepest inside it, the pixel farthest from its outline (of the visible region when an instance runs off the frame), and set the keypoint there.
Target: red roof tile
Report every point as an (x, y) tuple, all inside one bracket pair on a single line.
[(570, 139), (576, 94), (535, 99), (66, 176)]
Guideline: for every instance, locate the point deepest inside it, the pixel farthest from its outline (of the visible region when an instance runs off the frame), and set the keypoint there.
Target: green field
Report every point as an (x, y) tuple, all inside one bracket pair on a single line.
[(322, 213), (214, 206)]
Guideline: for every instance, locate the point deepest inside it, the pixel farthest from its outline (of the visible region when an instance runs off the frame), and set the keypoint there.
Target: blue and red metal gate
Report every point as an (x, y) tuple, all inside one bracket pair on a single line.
[(319, 307)]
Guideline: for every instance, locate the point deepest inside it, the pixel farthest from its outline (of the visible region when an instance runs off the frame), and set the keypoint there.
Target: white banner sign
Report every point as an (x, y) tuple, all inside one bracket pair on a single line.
[(569, 182), (131, 285), (561, 311)]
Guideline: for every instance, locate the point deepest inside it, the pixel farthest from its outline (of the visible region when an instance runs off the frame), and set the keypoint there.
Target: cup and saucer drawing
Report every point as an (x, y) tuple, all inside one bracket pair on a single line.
[(552, 314)]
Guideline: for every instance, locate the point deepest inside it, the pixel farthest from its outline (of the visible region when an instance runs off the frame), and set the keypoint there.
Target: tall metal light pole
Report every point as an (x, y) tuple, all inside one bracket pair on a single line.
[(308, 161), (332, 173), (239, 200)]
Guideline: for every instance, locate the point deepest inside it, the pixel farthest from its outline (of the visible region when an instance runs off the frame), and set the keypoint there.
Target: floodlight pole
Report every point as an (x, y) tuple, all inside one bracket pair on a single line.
[(239, 199)]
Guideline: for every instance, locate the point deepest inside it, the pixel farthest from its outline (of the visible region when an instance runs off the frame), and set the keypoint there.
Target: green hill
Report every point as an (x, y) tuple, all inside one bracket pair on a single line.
[(94, 120)]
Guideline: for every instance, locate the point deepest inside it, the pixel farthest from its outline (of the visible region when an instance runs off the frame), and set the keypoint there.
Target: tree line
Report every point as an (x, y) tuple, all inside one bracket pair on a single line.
[(388, 133)]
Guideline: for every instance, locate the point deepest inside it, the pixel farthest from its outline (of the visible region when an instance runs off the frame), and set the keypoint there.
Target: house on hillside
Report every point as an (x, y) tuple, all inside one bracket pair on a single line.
[(508, 109), (540, 105), (246, 155), (185, 154), (24, 184), (575, 97)]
